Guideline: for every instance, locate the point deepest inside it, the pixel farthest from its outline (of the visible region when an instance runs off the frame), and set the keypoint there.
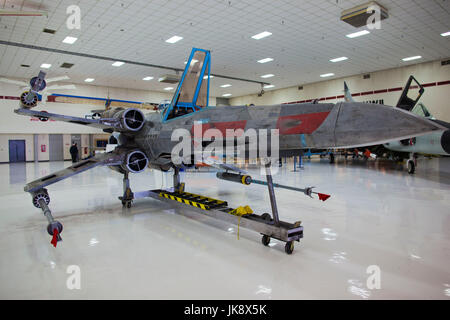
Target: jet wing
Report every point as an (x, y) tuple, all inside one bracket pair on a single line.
[(108, 159), (103, 123), (218, 164)]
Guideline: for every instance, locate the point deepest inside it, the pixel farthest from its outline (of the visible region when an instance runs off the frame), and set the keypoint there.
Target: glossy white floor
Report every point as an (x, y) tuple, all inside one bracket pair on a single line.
[(377, 215)]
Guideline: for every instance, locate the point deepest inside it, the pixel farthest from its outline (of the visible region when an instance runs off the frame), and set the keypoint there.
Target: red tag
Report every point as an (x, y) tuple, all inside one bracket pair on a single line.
[(55, 237), (323, 196)]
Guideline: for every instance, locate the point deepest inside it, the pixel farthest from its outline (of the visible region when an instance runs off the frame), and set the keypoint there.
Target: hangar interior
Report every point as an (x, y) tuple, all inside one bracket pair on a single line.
[(281, 54)]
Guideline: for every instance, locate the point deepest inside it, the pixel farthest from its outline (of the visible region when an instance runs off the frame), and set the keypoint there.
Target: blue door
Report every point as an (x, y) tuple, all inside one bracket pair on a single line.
[(16, 150)]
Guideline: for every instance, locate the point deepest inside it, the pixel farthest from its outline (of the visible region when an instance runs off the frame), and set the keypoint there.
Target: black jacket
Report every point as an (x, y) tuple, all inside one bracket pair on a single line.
[(73, 150)]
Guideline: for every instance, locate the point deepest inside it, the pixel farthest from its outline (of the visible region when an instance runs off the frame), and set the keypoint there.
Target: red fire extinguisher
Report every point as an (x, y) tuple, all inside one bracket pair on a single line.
[(43, 147)]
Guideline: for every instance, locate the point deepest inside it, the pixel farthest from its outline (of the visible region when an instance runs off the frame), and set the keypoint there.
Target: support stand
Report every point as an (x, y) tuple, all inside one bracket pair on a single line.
[(273, 201), (128, 195)]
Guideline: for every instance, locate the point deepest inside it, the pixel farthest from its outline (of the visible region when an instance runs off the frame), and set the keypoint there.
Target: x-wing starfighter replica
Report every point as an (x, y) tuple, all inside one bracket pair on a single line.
[(146, 141)]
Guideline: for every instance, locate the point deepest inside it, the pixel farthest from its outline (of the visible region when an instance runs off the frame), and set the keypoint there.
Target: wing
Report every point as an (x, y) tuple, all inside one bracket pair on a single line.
[(104, 123), (108, 159), (123, 120), (218, 164)]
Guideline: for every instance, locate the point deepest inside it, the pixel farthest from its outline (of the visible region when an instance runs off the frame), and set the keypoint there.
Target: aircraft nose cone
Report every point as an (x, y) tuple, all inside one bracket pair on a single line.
[(445, 141), (363, 124)]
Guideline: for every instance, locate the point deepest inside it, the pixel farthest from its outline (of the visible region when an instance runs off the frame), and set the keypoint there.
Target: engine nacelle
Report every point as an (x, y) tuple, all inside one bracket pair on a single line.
[(134, 161), (131, 120)]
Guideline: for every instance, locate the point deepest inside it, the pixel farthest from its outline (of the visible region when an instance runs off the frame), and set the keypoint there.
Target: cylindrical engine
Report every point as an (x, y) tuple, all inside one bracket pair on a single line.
[(134, 161), (131, 119)]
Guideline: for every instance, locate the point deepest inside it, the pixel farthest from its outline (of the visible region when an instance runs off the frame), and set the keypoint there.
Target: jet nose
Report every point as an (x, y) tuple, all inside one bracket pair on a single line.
[(363, 124), (445, 141)]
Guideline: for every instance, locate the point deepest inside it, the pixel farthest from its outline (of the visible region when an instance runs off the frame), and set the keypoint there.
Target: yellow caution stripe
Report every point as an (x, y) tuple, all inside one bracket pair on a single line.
[(185, 201)]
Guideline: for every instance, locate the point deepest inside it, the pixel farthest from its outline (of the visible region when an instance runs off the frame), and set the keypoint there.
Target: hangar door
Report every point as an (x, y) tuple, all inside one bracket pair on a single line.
[(55, 149), (16, 150)]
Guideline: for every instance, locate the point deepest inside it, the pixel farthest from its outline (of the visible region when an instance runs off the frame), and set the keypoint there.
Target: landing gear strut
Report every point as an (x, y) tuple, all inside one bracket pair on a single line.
[(128, 196), (411, 163)]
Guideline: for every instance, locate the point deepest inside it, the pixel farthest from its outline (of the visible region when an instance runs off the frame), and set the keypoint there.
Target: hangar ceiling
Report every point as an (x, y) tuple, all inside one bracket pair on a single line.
[(305, 36)]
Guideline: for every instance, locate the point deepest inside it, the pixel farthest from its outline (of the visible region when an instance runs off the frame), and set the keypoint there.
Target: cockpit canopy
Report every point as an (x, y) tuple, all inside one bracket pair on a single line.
[(193, 89)]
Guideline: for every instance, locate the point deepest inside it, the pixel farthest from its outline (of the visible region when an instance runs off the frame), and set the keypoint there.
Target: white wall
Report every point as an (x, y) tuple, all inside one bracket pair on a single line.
[(437, 99)]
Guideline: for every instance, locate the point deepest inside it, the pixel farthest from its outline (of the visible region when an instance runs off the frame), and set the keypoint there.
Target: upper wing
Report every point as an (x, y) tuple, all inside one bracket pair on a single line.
[(123, 120), (97, 123)]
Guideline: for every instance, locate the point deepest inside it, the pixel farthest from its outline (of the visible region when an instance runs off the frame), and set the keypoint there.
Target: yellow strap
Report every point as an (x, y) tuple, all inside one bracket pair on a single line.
[(241, 211)]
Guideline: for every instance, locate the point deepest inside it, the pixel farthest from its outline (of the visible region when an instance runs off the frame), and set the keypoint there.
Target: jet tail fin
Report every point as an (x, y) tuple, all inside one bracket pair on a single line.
[(347, 94)]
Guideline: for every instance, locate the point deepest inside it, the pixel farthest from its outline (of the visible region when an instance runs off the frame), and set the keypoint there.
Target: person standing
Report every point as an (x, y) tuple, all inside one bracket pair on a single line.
[(74, 152)]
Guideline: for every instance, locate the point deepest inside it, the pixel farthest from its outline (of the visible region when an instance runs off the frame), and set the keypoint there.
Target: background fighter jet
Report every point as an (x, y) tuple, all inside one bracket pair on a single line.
[(435, 143), (145, 141)]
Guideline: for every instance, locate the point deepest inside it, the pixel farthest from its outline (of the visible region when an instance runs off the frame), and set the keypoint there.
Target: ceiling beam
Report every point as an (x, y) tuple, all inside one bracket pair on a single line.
[(85, 55)]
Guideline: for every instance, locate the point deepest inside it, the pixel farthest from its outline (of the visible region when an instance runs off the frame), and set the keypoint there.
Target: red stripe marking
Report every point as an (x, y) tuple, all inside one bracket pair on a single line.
[(340, 97), (442, 83), (366, 93), (330, 98), (380, 91), (301, 123), (431, 84), (12, 98), (395, 89), (356, 94)]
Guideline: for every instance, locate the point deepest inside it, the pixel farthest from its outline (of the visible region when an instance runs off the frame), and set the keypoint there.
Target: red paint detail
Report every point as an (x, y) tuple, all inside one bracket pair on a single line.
[(55, 237), (443, 83), (366, 93), (395, 89), (356, 94), (323, 196), (367, 153), (380, 91), (1, 97), (51, 98), (431, 84), (301, 123), (340, 97), (330, 98), (12, 98)]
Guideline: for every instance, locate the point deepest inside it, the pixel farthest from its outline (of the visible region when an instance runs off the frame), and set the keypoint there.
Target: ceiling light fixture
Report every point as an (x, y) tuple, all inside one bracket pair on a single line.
[(326, 75), (226, 94), (261, 35), (206, 77), (357, 34), (339, 59), (267, 75), (265, 60), (225, 85), (445, 34), (269, 86), (118, 63), (168, 88), (46, 65), (174, 39), (89, 79), (147, 78), (412, 58), (70, 40)]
